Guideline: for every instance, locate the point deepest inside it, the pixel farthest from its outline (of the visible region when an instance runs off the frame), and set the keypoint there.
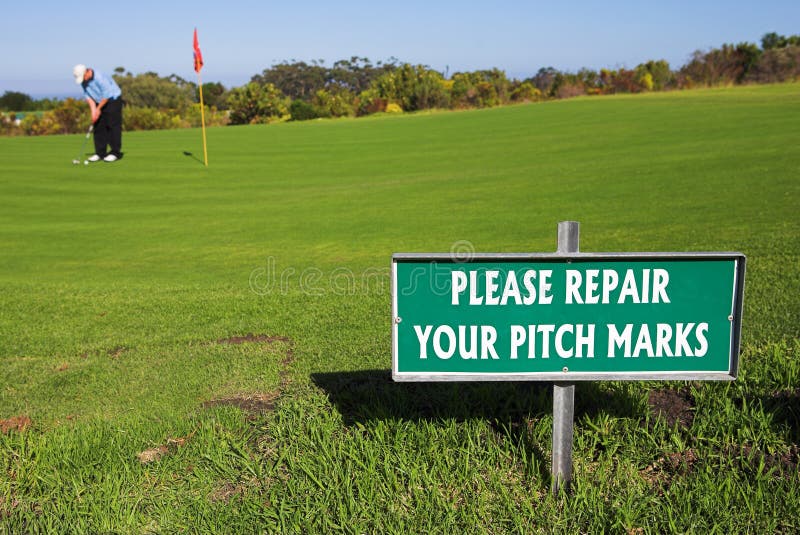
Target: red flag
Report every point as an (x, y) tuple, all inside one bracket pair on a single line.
[(198, 56)]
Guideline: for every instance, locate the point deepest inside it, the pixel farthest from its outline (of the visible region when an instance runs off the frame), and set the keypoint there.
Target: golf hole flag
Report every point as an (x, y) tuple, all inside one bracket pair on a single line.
[(198, 56), (198, 64)]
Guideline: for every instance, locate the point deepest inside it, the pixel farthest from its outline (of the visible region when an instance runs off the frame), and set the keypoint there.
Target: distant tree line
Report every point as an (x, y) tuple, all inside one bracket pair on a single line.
[(297, 90)]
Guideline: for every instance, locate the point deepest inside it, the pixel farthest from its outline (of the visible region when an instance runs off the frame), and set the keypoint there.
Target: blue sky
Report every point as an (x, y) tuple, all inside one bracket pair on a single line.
[(40, 41)]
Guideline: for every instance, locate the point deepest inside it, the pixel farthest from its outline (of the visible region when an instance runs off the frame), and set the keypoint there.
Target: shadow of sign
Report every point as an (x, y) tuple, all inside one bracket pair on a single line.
[(784, 405), (510, 408), (366, 395)]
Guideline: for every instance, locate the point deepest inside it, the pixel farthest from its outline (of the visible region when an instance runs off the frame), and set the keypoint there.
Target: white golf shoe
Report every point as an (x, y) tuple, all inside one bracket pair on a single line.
[(94, 158), (110, 158)]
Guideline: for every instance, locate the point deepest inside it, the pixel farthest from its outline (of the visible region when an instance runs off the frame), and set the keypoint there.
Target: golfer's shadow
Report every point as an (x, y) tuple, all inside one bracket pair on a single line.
[(509, 407)]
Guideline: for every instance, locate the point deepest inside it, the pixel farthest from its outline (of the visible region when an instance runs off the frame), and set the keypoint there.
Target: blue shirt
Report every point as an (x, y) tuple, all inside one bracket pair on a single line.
[(101, 87)]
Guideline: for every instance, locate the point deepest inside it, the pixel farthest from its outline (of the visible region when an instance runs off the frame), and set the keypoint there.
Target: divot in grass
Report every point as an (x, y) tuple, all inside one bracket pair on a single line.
[(253, 338), (15, 423), (151, 455), (256, 403), (252, 404), (116, 352)]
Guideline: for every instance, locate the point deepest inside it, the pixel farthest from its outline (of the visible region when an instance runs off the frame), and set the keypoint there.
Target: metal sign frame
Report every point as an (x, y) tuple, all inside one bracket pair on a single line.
[(566, 258)]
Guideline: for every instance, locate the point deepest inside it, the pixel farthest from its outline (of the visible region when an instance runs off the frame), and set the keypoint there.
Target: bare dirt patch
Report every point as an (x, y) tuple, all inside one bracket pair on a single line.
[(151, 455), (116, 352), (744, 457), (154, 454), (15, 423), (253, 338), (675, 406), (255, 403), (225, 492), (781, 464), (661, 472), (7, 507), (787, 395), (266, 339), (252, 404)]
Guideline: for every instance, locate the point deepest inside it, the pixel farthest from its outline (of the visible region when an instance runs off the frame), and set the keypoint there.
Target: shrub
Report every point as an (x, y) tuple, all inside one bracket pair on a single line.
[(480, 89), (646, 81), (140, 118), (621, 81), (336, 103), (412, 87), (8, 125), (40, 124), (570, 90), (213, 116), (302, 111), (777, 65), (370, 101), (726, 65), (525, 92), (393, 108), (257, 104), (71, 115), (660, 74)]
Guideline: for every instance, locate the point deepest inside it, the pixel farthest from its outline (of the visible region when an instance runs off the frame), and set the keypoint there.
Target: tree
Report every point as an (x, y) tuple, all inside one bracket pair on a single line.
[(525, 92), (480, 89), (356, 74), (296, 80), (16, 101), (589, 79), (257, 104), (544, 78), (620, 81), (214, 94), (661, 76), (777, 65), (333, 103), (153, 91), (411, 87), (772, 40), (725, 65), (301, 80), (567, 85)]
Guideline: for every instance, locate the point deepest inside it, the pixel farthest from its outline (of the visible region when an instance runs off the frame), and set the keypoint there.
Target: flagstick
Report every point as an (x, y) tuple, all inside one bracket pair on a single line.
[(202, 118)]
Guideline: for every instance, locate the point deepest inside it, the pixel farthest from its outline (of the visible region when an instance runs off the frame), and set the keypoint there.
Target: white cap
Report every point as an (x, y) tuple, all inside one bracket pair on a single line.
[(78, 71)]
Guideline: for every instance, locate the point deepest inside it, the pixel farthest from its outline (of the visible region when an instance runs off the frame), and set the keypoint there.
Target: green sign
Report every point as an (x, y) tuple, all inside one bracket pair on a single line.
[(566, 317)]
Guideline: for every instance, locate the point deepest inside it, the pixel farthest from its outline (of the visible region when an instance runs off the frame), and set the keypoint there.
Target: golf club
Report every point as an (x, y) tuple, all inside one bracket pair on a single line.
[(77, 161)]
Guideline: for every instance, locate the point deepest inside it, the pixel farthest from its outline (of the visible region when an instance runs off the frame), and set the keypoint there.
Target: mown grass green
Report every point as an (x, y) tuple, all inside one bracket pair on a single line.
[(117, 283)]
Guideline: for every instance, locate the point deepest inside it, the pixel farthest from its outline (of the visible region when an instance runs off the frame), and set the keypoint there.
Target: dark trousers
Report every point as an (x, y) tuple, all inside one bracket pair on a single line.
[(108, 129)]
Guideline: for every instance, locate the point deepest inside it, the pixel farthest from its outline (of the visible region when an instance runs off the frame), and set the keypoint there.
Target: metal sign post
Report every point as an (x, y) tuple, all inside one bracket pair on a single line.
[(564, 392)]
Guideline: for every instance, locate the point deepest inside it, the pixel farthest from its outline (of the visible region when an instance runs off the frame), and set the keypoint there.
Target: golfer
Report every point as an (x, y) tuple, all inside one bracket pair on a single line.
[(105, 101)]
